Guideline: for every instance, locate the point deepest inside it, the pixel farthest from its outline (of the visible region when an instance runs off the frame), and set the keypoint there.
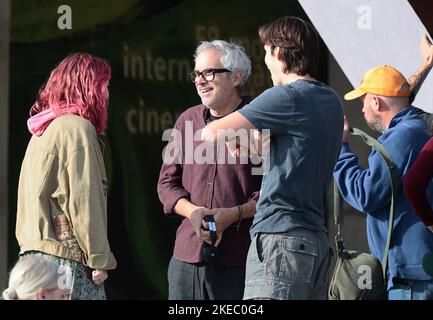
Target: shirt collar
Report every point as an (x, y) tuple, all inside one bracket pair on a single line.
[(403, 114), (244, 101)]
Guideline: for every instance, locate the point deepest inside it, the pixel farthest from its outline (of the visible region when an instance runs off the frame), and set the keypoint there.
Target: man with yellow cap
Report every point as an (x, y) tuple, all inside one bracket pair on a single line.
[(385, 93)]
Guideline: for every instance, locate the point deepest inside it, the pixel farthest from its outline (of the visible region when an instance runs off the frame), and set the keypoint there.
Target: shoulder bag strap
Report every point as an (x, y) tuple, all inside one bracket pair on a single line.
[(394, 187)]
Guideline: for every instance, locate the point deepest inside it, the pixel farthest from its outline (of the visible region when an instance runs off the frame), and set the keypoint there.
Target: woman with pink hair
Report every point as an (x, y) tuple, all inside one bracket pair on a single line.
[(62, 192)]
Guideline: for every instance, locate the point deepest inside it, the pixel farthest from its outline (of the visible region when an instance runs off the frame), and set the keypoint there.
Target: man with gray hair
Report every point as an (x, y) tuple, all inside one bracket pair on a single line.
[(209, 259)]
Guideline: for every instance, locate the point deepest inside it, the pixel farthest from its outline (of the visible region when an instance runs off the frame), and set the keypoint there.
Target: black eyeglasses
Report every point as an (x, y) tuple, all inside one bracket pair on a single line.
[(207, 74)]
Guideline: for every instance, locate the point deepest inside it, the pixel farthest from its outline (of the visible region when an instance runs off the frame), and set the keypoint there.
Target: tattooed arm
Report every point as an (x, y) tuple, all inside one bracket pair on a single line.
[(416, 80)]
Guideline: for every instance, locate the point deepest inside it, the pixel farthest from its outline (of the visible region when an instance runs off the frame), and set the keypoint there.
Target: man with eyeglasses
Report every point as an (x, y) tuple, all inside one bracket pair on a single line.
[(289, 255), (197, 191)]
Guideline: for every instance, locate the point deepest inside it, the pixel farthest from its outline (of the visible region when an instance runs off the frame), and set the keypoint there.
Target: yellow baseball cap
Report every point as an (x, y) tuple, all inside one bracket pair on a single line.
[(382, 81)]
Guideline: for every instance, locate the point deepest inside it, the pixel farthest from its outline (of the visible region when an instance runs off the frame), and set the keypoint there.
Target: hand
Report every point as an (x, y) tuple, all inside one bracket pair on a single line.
[(224, 217), (238, 147), (262, 142), (233, 147), (196, 219), (99, 276), (426, 51), (346, 132)]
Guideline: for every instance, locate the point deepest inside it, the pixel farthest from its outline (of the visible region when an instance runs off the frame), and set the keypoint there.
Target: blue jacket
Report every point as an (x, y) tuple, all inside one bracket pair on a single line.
[(369, 191)]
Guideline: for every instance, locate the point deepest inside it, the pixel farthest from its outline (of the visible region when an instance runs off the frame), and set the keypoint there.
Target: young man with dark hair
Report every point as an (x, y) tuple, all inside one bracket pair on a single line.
[(289, 255)]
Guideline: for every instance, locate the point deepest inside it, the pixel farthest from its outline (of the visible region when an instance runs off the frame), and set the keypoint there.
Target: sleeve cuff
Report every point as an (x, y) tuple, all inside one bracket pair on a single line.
[(170, 203), (345, 148), (102, 261)]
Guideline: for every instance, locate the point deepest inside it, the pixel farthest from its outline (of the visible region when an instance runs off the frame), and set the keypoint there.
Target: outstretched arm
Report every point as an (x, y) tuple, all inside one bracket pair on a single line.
[(216, 130), (426, 51)]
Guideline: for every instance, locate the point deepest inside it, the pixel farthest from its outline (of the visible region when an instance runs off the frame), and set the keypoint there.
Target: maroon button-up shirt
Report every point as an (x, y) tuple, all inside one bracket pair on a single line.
[(213, 185)]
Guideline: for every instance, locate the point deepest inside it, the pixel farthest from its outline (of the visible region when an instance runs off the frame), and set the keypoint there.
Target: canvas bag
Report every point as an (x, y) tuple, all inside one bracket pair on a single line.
[(358, 275)]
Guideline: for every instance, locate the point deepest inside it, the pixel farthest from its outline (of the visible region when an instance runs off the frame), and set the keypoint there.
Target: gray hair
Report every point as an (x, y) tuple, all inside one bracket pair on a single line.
[(29, 274), (233, 56)]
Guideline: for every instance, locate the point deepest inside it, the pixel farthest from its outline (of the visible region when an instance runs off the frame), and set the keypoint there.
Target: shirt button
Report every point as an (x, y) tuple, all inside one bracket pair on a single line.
[(209, 183), (302, 246)]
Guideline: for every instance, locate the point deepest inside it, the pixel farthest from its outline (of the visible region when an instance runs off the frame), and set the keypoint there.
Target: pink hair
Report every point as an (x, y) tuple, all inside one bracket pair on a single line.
[(79, 80)]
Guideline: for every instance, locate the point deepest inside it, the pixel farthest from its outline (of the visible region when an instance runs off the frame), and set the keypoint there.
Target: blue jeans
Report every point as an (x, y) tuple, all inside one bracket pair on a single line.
[(288, 266), (412, 290)]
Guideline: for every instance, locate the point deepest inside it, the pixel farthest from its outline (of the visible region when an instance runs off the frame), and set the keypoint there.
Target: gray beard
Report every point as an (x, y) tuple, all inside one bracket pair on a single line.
[(376, 125)]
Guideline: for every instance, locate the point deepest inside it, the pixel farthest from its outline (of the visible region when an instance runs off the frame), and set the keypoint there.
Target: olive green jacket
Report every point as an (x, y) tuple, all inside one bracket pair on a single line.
[(63, 172)]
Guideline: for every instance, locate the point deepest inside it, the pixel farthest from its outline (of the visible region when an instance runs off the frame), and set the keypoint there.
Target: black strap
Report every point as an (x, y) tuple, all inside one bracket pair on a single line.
[(339, 220)]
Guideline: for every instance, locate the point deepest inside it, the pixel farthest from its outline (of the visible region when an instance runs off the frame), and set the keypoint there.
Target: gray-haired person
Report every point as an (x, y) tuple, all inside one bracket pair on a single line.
[(192, 189), (37, 277)]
